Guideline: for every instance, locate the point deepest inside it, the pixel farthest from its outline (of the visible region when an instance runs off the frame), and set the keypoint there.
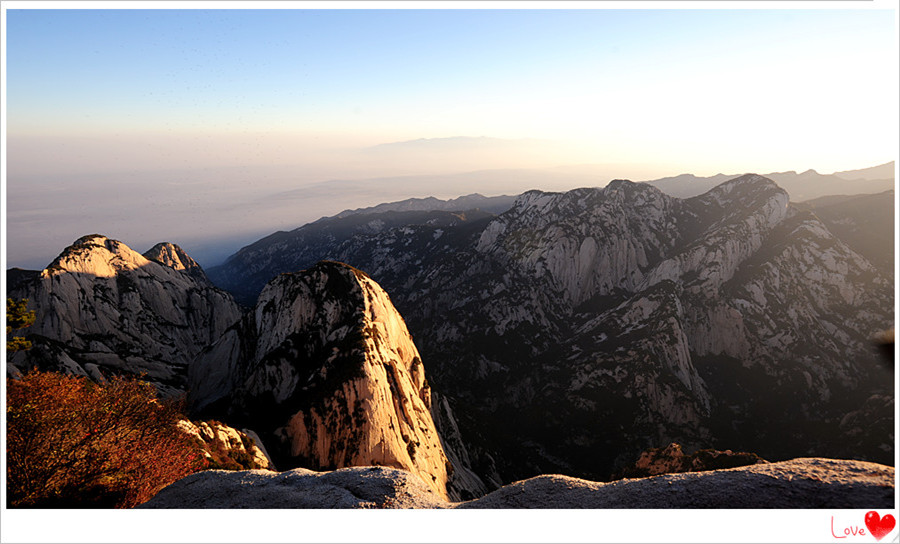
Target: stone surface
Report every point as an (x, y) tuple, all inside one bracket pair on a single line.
[(216, 435), (357, 487), (799, 483)]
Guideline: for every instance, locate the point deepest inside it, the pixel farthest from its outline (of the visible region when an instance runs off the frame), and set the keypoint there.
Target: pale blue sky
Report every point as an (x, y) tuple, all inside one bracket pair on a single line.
[(216, 105), (384, 71)]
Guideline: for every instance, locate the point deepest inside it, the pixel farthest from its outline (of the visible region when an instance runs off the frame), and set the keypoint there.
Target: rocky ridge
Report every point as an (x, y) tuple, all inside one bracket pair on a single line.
[(864, 222), (620, 319), (245, 273), (802, 186), (613, 320), (799, 483), (492, 204)]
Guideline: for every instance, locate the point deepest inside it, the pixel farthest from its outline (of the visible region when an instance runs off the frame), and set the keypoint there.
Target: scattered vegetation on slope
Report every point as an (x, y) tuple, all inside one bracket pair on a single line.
[(672, 459), (72, 443)]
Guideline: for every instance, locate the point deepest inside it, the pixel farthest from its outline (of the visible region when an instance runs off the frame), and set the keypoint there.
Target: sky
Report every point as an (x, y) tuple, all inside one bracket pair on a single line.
[(185, 125)]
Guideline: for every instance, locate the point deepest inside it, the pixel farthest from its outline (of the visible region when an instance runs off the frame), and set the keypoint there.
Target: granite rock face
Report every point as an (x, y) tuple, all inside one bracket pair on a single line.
[(325, 368), (575, 330), (242, 446), (104, 309)]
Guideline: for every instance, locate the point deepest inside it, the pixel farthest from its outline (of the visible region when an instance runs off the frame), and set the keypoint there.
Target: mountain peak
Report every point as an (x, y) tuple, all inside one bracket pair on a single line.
[(89, 239), (104, 309), (171, 255), (326, 345), (97, 255), (750, 191), (746, 180), (619, 185)]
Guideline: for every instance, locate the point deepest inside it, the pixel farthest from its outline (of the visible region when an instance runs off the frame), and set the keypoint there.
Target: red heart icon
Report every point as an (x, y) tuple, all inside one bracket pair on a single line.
[(878, 526)]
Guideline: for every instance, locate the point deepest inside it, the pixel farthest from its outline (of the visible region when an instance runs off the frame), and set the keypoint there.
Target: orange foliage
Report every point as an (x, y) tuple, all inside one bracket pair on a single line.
[(74, 444)]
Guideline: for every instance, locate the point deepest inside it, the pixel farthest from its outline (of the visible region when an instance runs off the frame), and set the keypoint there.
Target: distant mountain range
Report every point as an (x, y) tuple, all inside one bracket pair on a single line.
[(863, 222), (475, 201), (457, 143), (623, 306), (801, 187), (882, 171)]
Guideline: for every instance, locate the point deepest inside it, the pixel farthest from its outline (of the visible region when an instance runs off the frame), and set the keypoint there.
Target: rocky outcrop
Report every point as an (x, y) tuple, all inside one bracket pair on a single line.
[(227, 447), (356, 487), (800, 483), (325, 368), (103, 309)]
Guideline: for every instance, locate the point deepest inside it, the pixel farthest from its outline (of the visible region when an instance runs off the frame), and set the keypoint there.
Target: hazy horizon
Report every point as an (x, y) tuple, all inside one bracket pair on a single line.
[(286, 209), (190, 126)]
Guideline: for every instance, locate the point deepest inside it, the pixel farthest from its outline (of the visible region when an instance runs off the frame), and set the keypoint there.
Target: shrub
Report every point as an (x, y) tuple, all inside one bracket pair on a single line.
[(73, 443), (226, 457)]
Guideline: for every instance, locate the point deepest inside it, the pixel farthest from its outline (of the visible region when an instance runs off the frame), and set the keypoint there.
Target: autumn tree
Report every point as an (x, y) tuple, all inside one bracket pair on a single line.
[(74, 443), (17, 317)]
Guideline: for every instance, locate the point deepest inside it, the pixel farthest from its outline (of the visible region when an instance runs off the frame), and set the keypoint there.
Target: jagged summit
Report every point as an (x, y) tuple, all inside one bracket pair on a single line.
[(102, 256), (173, 256)]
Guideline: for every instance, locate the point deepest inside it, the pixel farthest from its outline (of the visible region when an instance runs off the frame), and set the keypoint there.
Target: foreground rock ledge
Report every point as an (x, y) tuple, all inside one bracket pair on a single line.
[(799, 483)]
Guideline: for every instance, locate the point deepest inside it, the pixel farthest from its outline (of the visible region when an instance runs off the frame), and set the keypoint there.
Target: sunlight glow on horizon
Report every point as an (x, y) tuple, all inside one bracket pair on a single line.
[(164, 120), (613, 79)]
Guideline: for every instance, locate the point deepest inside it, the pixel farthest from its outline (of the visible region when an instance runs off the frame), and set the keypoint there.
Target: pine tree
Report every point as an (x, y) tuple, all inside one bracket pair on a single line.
[(17, 317)]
